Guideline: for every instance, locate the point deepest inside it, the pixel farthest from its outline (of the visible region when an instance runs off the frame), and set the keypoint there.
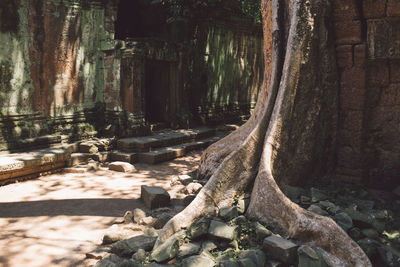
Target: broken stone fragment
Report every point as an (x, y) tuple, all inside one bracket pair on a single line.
[(162, 220), (221, 230), (317, 210), (197, 261), (88, 147), (155, 197), (208, 245), (129, 246), (128, 217), (369, 246), (150, 221), (228, 263), (139, 255), (188, 199), (116, 233), (261, 231), (280, 249), (242, 205), (185, 179), (389, 255), (193, 188), (343, 220), (199, 227), (228, 213), (370, 233), (189, 249), (255, 255), (120, 166), (317, 195), (150, 231), (308, 257), (138, 214), (167, 250)]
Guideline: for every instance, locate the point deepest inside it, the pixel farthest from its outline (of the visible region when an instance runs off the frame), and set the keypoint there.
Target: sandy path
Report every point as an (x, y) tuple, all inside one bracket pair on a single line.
[(55, 220)]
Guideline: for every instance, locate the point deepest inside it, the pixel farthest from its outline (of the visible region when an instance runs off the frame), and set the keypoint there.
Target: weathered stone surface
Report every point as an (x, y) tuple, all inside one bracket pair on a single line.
[(188, 199), (88, 147), (261, 231), (317, 210), (208, 245), (369, 246), (242, 205), (370, 233), (162, 220), (246, 262), (150, 231), (167, 250), (199, 227), (343, 220), (155, 197), (383, 37), (120, 166), (150, 221), (197, 261), (193, 188), (309, 258), (129, 246), (228, 263), (116, 233), (128, 263), (255, 255), (221, 230), (105, 263), (139, 255), (280, 249), (355, 233), (185, 179), (138, 214), (389, 255), (317, 195), (189, 249), (228, 213)]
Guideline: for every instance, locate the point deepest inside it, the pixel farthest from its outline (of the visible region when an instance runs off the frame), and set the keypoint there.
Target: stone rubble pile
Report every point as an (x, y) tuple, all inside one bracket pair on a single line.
[(230, 239)]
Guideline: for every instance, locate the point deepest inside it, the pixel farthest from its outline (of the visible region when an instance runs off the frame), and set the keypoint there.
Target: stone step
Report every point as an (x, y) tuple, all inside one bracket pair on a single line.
[(33, 162), (172, 152), (163, 138), (124, 156)]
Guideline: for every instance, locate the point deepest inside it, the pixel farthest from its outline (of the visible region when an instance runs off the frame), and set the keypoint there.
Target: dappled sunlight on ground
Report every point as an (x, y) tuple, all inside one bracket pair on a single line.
[(55, 220)]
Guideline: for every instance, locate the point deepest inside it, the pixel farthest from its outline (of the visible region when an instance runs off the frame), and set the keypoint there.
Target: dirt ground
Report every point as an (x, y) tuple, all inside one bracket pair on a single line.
[(56, 219)]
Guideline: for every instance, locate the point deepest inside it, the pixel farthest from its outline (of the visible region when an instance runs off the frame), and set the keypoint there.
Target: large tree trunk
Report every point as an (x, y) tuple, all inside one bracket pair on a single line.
[(289, 137)]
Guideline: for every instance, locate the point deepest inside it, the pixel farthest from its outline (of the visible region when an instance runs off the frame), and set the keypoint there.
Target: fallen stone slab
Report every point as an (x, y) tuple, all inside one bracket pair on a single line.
[(120, 166), (155, 197), (75, 170), (280, 249), (220, 230), (189, 249), (129, 246), (116, 233), (199, 227), (138, 214), (308, 257), (228, 213), (255, 255), (88, 147), (167, 250), (196, 261)]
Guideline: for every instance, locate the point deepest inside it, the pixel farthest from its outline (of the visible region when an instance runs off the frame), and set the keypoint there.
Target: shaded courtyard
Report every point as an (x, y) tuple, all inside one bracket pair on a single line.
[(56, 219)]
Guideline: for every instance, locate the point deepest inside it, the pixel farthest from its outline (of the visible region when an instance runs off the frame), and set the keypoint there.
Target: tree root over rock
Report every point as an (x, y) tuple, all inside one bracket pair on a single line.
[(289, 137)]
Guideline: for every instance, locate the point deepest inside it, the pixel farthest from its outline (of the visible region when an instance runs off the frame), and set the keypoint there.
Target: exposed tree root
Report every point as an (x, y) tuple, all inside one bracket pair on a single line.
[(288, 133)]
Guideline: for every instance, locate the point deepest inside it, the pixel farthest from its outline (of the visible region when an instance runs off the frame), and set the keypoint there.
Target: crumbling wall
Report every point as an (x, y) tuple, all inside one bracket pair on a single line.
[(228, 67), (51, 67), (368, 56)]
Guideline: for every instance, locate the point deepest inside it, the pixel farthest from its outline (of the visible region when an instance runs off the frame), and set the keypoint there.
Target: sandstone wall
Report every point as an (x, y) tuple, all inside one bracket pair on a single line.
[(51, 66), (368, 56)]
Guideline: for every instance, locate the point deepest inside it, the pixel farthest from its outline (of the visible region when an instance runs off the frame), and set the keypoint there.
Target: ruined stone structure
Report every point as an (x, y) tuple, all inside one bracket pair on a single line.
[(368, 57), (71, 68), (63, 70)]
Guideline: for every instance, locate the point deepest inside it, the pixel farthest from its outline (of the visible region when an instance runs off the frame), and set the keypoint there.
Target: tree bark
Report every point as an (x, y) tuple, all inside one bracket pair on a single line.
[(289, 137)]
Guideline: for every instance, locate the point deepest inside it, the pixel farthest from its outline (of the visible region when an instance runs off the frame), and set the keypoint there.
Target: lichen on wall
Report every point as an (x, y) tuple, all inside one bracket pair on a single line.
[(227, 68)]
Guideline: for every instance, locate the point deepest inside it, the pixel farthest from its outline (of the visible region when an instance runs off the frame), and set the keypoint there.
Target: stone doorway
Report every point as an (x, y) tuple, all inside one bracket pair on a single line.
[(157, 90)]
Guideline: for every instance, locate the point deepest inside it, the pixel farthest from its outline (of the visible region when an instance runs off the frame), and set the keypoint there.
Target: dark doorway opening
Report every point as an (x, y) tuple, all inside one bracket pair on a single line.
[(140, 19), (157, 87)]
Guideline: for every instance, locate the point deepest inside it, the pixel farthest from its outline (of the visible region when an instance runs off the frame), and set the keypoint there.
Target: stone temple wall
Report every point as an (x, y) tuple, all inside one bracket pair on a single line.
[(368, 56), (51, 67)]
